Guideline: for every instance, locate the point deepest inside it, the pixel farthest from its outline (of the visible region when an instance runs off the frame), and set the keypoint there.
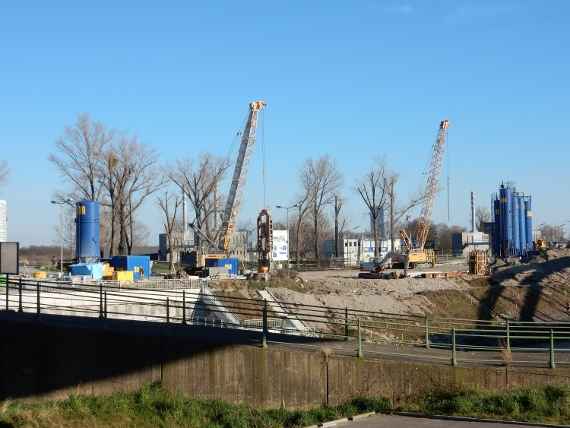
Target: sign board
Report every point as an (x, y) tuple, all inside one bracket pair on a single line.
[(9, 258), (280, 252)]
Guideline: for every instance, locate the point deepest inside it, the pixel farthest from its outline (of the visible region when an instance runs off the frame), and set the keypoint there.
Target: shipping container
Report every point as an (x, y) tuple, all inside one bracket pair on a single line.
[(231, 264), (139, 265)]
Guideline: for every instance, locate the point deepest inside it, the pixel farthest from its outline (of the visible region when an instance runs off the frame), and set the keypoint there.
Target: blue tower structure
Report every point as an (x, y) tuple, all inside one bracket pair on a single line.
[(513, 222), (87, 232)]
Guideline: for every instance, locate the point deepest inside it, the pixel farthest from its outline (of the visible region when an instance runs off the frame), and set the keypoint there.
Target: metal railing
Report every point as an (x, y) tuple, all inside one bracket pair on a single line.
[(346, 330)]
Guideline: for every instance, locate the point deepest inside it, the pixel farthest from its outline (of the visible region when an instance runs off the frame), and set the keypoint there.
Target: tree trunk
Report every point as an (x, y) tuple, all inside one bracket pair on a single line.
[(392, 214), (316, 226), (375, 236)]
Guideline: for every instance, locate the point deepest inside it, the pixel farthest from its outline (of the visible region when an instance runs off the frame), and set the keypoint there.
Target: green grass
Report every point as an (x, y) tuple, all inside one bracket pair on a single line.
[(152, 406)]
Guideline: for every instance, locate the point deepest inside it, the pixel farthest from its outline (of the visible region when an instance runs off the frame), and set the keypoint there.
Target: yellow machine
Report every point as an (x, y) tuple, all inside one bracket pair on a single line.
[(415, 252)]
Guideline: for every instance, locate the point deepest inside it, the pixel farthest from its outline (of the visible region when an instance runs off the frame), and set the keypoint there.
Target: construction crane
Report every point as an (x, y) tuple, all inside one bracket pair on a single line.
[(219, 247), (415, 251), (240, 171)]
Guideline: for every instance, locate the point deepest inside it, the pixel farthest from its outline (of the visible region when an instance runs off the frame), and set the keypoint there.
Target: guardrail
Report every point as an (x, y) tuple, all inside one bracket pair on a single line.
[(347, 330)]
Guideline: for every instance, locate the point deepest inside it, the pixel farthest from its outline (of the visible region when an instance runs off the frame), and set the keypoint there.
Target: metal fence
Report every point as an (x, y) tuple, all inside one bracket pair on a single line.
[(345, 330)]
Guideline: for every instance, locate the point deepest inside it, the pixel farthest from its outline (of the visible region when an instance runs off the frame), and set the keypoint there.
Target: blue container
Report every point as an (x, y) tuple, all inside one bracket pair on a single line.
[(87, 231), (139, 265), (94, 270), (497, 227), (231, 264)]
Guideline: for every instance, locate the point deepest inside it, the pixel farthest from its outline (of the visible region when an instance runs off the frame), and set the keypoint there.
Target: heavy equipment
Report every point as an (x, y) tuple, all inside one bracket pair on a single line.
[(414, 246), (219, 247)]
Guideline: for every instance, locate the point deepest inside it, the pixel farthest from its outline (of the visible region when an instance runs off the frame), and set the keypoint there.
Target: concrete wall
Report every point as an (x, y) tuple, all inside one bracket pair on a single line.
[(54, 357)]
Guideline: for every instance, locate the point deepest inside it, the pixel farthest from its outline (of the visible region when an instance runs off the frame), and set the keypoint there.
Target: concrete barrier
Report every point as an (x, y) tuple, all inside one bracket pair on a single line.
[(54, 356)]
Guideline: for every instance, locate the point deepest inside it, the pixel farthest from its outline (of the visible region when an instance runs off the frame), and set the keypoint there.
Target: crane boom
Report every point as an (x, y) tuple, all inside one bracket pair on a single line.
[(240, 171), (423, 224)]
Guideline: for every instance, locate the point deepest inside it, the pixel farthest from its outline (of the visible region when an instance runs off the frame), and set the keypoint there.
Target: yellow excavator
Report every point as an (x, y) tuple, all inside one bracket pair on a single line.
[(414, 251)]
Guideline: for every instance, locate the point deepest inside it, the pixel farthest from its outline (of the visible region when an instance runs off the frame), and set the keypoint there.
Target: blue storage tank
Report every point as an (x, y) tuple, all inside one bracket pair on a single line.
[(231, 264), (140, 265), (497, 226), (528, 221), (87, 231), (516, 243), (522, 227)]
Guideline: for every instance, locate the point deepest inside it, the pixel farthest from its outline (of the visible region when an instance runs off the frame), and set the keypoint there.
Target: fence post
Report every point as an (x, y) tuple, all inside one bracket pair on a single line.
[(7, 291), (100, 300), (264, 333), (360, 354), (20, 307), (38, 298), (427, 332), (346, 332), (167, 310), (508, 336), (183, 306), (552, 361), (453, 348), (105, 303)]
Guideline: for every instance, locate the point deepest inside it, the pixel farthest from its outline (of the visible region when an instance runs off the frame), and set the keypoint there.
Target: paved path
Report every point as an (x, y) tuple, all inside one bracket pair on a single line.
[(389, 421)]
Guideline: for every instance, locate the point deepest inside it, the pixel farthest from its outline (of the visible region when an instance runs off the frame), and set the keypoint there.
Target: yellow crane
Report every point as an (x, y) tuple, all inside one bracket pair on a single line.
[(414, 246)]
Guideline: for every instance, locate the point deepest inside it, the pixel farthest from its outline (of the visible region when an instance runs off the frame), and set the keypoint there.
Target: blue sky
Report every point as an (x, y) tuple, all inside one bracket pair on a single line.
[(357, 80)]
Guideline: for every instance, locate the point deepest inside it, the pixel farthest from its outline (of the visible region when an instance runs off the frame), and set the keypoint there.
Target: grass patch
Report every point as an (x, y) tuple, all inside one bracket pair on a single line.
[(152, 406)]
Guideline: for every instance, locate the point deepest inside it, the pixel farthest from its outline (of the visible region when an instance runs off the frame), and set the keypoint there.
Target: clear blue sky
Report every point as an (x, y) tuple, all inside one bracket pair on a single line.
[(355, 79)]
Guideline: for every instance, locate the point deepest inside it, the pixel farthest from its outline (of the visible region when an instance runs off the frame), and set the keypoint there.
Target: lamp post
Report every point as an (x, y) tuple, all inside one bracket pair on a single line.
[(61, 203), (287, 208)]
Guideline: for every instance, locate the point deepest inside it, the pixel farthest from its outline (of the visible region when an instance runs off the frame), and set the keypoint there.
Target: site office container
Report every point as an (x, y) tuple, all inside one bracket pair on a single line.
[(139, 265), (231, 264)]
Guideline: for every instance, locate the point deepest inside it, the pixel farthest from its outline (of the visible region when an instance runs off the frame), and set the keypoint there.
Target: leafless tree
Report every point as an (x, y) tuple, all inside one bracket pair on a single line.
[(321, 180), (374, 190), (131, 176), (169, 205), (65, 230), (79, 156), (4, 172), (199, 180), (482, 216)]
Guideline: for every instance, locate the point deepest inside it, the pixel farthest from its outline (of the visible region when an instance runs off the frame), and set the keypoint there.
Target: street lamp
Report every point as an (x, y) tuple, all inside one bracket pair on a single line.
[(287, 208), (62, 203)]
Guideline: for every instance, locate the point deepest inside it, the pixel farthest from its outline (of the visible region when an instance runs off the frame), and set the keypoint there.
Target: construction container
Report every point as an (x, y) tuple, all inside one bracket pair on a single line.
[(230, 264), (87, 232), (139, 265), (40, 274), (92, 270), (123, 275)]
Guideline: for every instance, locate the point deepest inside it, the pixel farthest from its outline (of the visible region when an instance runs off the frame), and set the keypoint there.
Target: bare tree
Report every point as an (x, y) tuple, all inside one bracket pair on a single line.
[(482, 216), (79, 156), (199, 180), (4, 172), (321, 180), (131, 176), (169, 205), (374, 191)]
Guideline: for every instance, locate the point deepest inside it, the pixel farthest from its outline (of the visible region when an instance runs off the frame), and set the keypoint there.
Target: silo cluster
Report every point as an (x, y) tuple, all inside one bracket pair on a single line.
[(512, 234)]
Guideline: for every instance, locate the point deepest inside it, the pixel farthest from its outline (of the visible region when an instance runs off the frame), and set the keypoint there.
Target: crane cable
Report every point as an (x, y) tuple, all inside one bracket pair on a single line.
[(263, 158)]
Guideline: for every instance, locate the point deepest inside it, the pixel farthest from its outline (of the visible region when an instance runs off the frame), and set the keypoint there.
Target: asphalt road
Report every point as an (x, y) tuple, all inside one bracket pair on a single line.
[(390, 421)]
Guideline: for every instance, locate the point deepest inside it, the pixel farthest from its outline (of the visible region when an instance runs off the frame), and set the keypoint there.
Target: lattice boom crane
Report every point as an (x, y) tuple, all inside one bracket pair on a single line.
[(416, 246), (240, 172)]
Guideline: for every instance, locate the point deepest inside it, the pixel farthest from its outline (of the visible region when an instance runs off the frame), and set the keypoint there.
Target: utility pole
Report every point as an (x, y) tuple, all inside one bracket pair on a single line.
[(392, 201), (472, 212), (337, 208)]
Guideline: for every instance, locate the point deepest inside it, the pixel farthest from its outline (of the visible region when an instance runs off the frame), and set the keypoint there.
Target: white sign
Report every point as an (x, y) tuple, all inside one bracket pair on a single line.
[(280, 251)]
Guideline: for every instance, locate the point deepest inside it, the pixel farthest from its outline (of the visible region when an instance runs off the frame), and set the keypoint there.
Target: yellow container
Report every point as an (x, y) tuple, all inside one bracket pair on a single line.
[(40, 274), (108, 270), (124, 275)]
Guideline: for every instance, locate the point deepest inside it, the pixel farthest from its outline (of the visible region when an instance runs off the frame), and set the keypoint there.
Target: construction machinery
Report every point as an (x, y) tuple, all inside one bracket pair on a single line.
[(219, 247), (414, 246)]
